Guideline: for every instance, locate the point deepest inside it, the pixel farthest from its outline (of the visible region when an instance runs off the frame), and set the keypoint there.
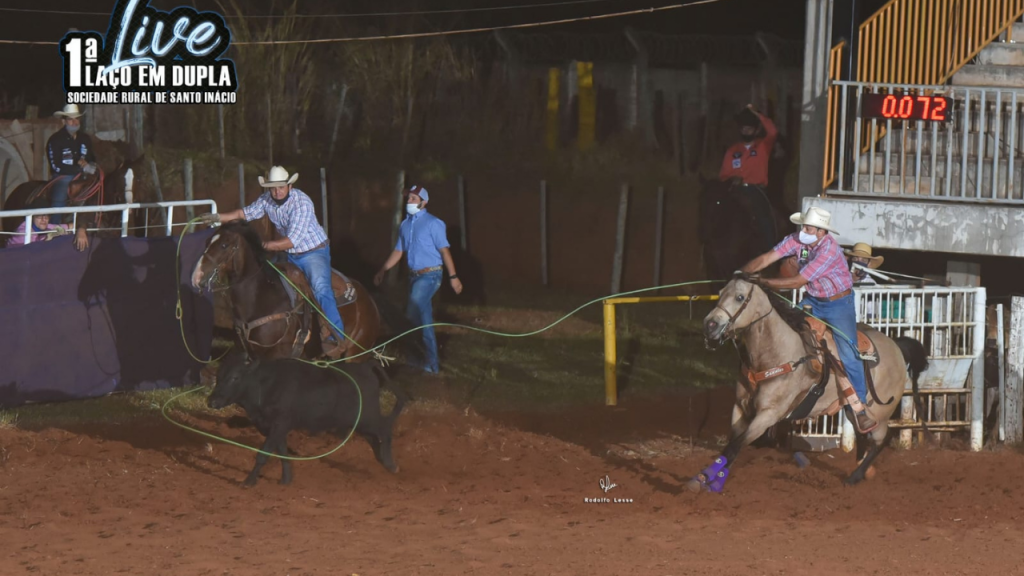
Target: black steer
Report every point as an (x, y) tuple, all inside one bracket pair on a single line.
[(283, 395)]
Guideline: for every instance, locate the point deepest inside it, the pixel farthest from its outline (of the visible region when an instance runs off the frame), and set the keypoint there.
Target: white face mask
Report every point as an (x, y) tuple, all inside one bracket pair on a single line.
[(412, 208), (806, 238)]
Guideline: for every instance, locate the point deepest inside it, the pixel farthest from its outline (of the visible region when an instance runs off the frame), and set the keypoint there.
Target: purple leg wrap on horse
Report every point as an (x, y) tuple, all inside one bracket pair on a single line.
[(718, 484), (711, 472)]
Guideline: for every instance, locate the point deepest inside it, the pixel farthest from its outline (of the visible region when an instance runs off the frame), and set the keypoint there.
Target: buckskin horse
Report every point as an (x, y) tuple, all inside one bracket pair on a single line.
[(790, 371), (270, 318), (97, 189), (728, 228)]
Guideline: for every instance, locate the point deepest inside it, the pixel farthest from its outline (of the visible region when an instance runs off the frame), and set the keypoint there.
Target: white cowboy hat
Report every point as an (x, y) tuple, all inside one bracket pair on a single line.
[(814, 217), (69, 111), (277, 176), (863, 250)]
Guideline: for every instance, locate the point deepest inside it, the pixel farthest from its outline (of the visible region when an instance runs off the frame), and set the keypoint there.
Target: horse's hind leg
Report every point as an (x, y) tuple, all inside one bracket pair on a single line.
[(877, 441)]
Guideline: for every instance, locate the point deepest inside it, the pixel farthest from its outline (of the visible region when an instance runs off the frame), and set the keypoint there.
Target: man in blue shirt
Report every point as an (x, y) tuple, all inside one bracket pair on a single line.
[(422, 237)]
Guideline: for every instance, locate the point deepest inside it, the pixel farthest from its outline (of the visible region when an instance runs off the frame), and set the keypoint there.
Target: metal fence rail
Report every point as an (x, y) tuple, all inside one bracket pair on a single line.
[(950, 323), (976, 156), (124, 209)]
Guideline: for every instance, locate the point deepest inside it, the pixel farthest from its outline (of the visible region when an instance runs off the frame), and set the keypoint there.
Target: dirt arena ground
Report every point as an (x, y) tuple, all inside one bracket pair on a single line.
[(498, 493)]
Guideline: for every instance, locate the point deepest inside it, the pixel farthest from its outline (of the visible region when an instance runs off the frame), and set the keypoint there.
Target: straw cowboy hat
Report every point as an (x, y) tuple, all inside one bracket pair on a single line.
[(69, 111), (863, 250), (278, 176), (814, 217)]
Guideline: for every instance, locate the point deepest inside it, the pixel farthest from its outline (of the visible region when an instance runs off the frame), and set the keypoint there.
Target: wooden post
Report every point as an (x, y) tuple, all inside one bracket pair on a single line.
[(462, 212), (323, 199), (544, 232), (1000, 350), (397, 222), (337, 123), (187, 175), (620, 239), (270, 132), (3, 180), (1014, 412), (156, 187), (220, 128), (241, 185), (659, 224), (138, 126)]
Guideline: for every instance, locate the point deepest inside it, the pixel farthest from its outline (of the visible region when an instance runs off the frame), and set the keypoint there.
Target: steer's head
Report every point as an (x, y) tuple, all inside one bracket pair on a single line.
[(231, 376)]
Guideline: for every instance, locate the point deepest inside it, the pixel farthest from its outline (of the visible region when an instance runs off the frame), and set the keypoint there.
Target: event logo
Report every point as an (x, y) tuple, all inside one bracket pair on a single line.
[(151, 57)]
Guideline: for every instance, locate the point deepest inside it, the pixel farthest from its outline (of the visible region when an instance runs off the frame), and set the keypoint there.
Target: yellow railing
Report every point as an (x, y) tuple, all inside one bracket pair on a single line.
[(611, 387), (927, 41), (835, 67)]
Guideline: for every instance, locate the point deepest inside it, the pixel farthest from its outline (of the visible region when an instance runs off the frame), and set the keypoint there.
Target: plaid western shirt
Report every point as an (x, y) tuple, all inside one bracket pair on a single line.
[(295, 219), (823, 265)]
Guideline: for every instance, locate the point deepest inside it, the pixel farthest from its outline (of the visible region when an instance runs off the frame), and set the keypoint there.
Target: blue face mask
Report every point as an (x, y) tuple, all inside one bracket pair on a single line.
[(72, 129)]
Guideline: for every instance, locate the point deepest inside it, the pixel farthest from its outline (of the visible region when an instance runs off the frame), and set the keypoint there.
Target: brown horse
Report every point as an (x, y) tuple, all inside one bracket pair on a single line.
[(98, 189), (270, 320), (786, 369)]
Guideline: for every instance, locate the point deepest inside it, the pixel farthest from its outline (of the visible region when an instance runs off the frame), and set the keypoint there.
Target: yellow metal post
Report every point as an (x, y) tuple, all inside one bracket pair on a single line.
[(551, 116), (587, 99), (610, 389)]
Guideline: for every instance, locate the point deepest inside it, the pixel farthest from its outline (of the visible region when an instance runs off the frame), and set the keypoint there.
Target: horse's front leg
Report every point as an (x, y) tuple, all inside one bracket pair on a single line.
[(714, 476)]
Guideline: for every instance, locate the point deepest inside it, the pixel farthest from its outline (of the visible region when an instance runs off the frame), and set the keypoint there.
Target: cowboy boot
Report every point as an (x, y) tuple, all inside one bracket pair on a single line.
[(864, 423)]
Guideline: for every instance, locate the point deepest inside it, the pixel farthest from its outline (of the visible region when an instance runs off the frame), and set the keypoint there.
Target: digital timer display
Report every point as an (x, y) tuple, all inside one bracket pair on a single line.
[(905, 107)]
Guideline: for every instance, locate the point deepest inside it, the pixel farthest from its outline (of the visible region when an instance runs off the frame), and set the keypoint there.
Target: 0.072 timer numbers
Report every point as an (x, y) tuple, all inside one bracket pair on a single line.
[(905, 107)]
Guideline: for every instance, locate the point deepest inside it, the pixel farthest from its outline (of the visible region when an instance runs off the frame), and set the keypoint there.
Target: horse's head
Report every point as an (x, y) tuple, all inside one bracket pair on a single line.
[(120, 184), (225, 254), (741, 303)]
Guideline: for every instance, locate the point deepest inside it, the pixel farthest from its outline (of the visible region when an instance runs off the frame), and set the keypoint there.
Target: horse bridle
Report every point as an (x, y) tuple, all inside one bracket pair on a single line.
[(732, 318), (216, 269)]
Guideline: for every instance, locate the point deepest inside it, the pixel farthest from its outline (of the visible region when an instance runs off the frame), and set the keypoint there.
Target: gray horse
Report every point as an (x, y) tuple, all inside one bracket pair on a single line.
[(786, 370)]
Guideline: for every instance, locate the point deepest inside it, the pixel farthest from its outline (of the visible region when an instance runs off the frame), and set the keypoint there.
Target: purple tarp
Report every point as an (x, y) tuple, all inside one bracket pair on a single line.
[(82, 324)]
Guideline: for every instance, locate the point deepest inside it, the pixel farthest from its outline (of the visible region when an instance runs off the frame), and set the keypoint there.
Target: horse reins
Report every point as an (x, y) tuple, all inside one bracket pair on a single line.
[(733, 317)]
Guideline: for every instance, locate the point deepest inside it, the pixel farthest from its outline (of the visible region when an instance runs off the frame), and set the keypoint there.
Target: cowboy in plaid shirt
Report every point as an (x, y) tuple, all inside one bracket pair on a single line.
[(829, 285), (291, 212)]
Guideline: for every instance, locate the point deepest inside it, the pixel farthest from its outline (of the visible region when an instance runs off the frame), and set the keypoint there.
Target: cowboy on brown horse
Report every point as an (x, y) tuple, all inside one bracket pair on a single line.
[(70, 153), (291, 212)]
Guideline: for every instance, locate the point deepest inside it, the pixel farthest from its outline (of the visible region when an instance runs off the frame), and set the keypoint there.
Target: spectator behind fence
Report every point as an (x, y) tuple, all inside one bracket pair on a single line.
[(40, 228)]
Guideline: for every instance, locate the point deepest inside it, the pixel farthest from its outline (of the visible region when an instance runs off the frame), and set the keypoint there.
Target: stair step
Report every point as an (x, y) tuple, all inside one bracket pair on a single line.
[(1002, 54), (910, 142), (994, 76), (877, 185)]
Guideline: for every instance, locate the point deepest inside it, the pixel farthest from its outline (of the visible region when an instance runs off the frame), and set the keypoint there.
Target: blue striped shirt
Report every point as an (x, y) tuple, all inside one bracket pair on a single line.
[(295, 219), (421, 237)]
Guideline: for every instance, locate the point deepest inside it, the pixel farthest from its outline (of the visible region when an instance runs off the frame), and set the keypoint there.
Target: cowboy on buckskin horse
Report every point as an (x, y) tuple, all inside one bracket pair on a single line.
[(70, 153), (291, 212), (823, 270), (745, 167)]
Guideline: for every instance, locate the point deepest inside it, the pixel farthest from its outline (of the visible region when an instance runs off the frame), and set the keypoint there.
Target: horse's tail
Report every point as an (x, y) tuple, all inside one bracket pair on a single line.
[(398, 323), (916, 360)]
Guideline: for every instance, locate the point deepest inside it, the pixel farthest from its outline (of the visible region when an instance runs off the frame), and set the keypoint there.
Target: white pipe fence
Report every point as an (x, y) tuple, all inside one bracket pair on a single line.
[(950, 323), (124, 209)]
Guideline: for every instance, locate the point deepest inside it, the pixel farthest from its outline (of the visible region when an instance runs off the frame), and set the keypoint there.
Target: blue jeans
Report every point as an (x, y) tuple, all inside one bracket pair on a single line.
[(316, 265), (420, 312), (842, 314), (59, 196)]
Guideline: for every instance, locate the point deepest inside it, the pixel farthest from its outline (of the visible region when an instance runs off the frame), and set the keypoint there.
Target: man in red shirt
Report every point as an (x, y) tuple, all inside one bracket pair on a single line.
[(745, 167)]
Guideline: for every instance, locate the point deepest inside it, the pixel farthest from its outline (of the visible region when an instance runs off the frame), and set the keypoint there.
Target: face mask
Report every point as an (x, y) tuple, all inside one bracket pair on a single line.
[(72, 129), (747, 137), (412, 209), (281, 201), (806, 238)]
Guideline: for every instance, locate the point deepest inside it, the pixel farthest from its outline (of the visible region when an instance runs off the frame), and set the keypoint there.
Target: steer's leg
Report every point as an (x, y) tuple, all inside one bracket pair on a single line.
[(286, 465), (261, 459)]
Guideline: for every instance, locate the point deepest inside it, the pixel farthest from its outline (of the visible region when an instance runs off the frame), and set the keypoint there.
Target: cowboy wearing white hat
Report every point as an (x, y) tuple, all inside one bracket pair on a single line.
[(70, 153), (823, 270), (291, 212), (862, 256)]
